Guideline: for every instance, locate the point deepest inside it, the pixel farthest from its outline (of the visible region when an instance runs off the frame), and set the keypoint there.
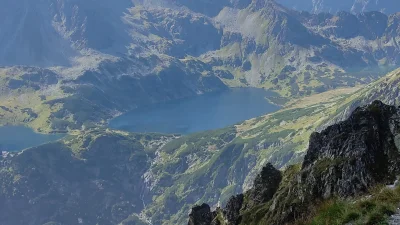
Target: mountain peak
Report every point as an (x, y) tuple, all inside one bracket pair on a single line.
[(266, 4)]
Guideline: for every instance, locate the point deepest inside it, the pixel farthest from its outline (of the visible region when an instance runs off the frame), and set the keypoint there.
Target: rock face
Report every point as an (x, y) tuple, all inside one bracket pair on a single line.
[(201, 215), (265, 186), (231, 211), (344, 160), (348, 158)]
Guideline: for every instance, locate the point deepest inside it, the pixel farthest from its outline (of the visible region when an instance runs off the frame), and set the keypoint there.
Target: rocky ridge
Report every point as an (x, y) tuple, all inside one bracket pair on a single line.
[(345, 160)]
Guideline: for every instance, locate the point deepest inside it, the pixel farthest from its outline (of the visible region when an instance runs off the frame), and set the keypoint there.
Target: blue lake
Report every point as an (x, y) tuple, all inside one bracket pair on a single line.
[(200, 113), (16, 138)]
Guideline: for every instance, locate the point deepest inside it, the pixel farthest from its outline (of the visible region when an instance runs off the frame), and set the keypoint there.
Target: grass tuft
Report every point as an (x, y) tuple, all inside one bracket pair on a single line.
[(374, 210)]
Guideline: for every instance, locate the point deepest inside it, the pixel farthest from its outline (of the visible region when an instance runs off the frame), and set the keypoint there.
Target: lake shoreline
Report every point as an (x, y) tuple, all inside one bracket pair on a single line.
[(221, 109), (16, 138)]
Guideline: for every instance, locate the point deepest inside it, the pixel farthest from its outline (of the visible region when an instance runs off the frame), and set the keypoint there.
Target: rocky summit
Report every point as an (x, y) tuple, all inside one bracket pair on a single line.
[(343, 161), (265, 186)]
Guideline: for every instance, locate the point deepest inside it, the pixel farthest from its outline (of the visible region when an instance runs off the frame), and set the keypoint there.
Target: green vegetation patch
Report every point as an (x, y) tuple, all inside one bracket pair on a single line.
[(370, 210)]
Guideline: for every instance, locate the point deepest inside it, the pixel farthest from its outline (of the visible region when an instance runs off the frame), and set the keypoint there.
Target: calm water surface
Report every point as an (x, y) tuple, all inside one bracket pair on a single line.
[(200, 113), (16, 138)]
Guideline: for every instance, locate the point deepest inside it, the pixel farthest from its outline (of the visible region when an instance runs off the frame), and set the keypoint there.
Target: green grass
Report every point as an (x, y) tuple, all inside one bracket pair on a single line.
[(374, 210), (256, 214)]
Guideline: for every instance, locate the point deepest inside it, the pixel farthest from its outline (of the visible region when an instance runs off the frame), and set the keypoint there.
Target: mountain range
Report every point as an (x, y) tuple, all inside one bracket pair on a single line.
[(332, 6), (100, 55)]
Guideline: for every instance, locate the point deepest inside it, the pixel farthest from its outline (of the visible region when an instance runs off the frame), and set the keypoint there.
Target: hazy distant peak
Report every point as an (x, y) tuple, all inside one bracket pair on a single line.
[(50, 32), (333, 6)]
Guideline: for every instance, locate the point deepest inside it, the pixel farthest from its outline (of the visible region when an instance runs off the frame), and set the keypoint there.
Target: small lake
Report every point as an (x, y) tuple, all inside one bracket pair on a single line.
[(200, 113), (16, 138)]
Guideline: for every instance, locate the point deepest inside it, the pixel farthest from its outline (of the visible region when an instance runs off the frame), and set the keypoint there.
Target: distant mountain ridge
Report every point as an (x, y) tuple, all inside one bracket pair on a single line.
[(334, 6), (49, 33)]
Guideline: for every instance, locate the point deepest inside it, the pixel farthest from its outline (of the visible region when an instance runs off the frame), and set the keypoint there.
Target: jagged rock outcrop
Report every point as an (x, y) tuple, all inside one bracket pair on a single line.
[(355, 154), (232, 209), (345, 160), (202, 215), (265, 186)]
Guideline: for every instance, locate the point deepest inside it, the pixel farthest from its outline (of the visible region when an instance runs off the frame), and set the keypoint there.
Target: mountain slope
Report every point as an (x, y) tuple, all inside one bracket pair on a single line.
[(345, 160), (385, 89), (175, 175), (227, 160), (295, 53), (71, 101), (280, 138), (94, 177)]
